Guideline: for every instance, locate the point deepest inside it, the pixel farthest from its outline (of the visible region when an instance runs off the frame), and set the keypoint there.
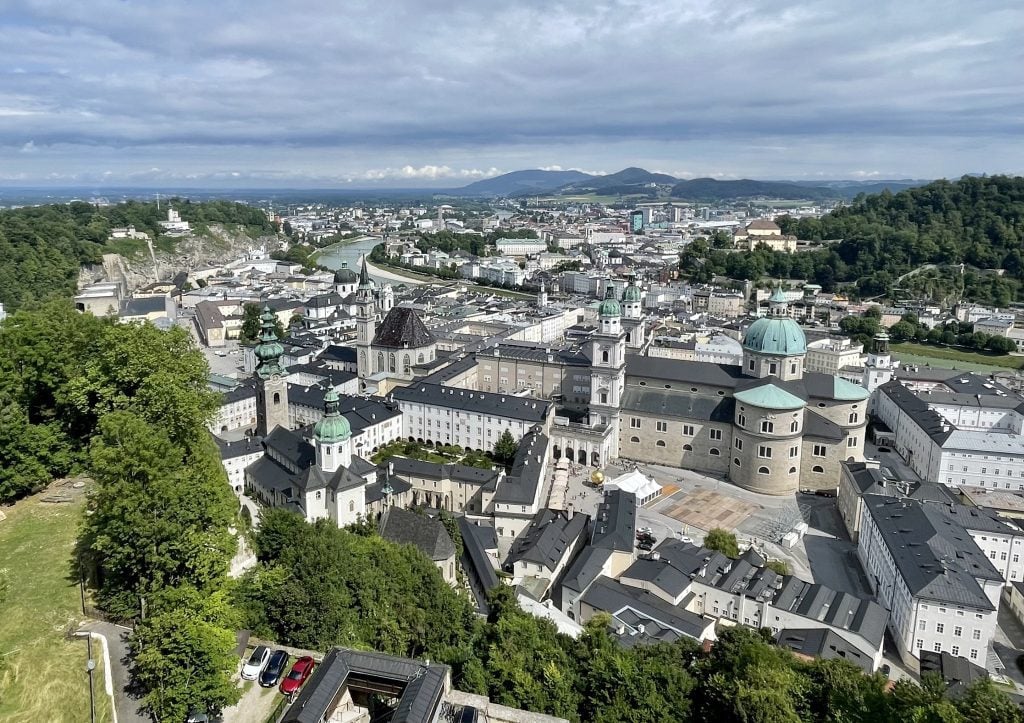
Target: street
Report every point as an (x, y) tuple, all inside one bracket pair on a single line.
[(127, 705)]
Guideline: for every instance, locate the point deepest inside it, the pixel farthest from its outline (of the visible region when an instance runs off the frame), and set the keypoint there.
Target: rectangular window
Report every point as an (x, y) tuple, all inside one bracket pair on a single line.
[(976, 634), (794, 452), (687, 430), (940, 628), (922, 625), (919, 643), (662, 426), (819, 450), (851, 442), (937, 647), (955, 650), (767, 427), (738, 443), (958, 631), (634, 422), (764, 452), (974, 653), (715, 434)]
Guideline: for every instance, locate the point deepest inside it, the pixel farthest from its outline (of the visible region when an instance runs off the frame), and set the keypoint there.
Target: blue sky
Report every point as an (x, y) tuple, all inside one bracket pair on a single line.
[(428, 92)]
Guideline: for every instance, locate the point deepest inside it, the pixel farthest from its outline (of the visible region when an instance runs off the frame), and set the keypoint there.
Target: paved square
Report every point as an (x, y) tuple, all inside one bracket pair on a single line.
[(707, 509)]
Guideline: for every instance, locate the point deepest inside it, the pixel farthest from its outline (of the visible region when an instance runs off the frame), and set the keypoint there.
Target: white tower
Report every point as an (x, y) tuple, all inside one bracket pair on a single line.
[(542, 296), (608, 370), (366, 323), (332, 437)]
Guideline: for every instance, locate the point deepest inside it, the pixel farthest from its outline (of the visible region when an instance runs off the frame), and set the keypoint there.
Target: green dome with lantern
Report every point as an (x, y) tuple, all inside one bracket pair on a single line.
[(609, 307), (332, 427), (269, 350)]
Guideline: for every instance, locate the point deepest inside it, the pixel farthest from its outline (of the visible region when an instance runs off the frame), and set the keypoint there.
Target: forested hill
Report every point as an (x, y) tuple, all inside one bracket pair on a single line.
[(931, 230), (43, 247)]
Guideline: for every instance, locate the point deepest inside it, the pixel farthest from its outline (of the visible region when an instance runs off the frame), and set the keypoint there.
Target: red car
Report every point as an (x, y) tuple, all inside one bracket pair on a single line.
[(297, 675)]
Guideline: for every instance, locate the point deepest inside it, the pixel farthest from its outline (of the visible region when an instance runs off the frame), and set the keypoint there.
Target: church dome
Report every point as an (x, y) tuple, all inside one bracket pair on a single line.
[(345, 275), (779, 336), (332, 427), (632, 294), (609, 307)]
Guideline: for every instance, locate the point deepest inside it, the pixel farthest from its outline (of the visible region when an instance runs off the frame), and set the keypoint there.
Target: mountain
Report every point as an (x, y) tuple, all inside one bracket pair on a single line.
[(625, 181), (709, 189), (521, 182)]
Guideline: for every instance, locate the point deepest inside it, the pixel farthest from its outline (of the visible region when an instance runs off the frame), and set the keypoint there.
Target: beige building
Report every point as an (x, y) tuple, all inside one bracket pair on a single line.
[(828, 356), (764, 231)]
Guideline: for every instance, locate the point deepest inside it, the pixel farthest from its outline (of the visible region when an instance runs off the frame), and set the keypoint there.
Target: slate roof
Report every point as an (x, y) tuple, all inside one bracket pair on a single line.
[(824, 644), (637, 607), (819, 427), (722, 375), (476, 541), (614, 525), (335, 352), (521, 484), (936, 557), (499, 405), (433, 470), (931, 422), (238, 448), (425, 534), (550, 536), (423, 685), (684, 405), (297, 453), (586, 568), (957, 672), (402, 329)]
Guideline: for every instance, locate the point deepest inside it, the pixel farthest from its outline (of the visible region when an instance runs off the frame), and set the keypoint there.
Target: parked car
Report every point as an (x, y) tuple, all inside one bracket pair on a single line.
[(827, 493), (276, 666), (297, 675), (884, 449), (645, 546), (255, 663)]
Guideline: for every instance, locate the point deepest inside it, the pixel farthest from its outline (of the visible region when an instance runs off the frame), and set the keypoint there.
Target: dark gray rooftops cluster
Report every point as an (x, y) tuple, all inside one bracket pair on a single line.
[(933, 423), (433, 470), (422, 685), (937, 558), (409, 528), (526, 409), (614, 525), (819, 427), (632, 607), (549, 537), (837, 609), (337, 353), (245, 390), (586, 568), (824, 644), (402, 328), (670, 403), (239, 448), (531, 352), (720, 375)]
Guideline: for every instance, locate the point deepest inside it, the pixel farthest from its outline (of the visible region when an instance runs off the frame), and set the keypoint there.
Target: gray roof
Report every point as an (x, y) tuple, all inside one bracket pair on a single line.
[(297, 453), (549, 537), (614, 525), (238, 448), (532, 352), (521, 484), (335, 352), (980, 519), (937, 558), (423, 685), (824, 644), (819, 427), (425, 534), (931, 422), (639, 607), (244, 390), (145, 305), (586, 568), (526, 409), (402, 329), (433, 470), (720, 375), (683, 405), (477, 539), (837, 609), (956, 672)]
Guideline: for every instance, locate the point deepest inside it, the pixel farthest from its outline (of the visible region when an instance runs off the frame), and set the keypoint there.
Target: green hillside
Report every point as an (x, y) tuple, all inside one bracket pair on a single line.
[(43, 247)]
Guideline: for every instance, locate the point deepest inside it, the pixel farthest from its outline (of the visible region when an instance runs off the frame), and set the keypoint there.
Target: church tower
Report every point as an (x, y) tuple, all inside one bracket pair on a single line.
[(608, 368), (271, 384), (332, 437), (632, 315), (542, 296), (366, 322)]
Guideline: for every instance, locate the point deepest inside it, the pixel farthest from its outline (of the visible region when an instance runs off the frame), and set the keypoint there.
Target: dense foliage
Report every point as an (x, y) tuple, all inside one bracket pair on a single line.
[(317, 586), (976, 222), (43, 247), (128, 404)]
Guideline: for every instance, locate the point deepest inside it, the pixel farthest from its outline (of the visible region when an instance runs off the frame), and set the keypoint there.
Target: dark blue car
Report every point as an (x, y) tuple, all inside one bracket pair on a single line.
[(275, 668)]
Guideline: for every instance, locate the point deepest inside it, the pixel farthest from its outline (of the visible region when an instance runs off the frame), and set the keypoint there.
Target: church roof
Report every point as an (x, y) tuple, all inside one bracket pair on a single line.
[(402, 328), (848, 391), (409, 528), (769, 396), (782, 337)]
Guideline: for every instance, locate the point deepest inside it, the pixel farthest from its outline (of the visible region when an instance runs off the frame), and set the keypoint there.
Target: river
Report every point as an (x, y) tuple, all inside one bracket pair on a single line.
[(349, 252)]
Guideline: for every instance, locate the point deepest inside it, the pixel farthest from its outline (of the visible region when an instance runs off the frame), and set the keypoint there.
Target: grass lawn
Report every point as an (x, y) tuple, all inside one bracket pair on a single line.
[(43, 677), (952, 355)]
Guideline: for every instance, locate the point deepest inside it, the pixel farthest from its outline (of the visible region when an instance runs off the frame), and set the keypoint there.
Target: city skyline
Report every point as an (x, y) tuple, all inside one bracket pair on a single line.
[(434, 94)]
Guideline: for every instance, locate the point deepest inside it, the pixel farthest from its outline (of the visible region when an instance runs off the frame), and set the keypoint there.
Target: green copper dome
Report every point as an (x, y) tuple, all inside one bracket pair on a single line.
[(269, 350), (609, 307), (332, 427), (777, 336), (631, 294), (778, 297)]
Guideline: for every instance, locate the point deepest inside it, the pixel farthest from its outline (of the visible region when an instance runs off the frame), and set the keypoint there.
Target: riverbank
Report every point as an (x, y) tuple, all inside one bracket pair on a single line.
[(949, 358)]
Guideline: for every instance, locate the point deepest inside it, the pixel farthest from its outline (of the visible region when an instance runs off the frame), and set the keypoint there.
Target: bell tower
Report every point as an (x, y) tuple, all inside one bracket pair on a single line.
[(271, 384), (366, 322)]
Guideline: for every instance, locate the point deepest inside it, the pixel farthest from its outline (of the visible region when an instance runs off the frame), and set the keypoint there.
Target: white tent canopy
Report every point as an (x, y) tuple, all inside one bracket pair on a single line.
[(645, 488)]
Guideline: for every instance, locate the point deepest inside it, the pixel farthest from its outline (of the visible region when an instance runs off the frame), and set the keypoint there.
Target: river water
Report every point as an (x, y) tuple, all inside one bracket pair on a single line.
[(348, 252)]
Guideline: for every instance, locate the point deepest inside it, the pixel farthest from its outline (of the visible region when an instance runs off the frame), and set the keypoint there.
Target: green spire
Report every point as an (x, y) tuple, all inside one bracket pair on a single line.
[(332, 427), (364, 276), (778, 297), (609, 307), (269, 350)]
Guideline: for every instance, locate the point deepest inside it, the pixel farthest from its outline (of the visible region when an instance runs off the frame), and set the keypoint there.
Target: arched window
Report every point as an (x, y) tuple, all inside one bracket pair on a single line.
[(767, 427), (351, 505), (392, 362), (406, 363), (818, 469), (380, 361), (629, 337), (714, 452), (736, 461), (660, 443), (634, 440), (419, 359), (792, 470), (763, 470), (277, 397), (604, 356), (687, 448)]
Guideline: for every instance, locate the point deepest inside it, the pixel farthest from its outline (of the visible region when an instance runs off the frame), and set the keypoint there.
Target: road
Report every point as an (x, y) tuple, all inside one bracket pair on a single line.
[(378, 272), (127, 705)]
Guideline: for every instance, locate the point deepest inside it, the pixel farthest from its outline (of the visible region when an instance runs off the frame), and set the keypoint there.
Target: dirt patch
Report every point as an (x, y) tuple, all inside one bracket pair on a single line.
[(707, 510)]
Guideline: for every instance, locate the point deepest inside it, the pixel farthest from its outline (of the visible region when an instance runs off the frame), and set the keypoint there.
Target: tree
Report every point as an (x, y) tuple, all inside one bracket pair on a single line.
[(251, 324), (1000, 344), (902, 331), (184, 655), (983, 702), (723, 541), (505, 448)]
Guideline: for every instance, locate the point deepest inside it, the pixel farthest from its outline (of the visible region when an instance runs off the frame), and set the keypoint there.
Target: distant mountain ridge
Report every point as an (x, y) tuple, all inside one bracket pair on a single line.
[(635, 180)]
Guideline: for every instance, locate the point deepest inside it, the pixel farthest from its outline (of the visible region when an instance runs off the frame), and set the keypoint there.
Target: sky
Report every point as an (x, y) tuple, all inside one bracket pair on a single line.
[(422, 93)]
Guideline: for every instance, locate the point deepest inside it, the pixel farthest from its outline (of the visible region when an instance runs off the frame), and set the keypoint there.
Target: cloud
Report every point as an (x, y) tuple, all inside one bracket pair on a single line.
[(430, 92)]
